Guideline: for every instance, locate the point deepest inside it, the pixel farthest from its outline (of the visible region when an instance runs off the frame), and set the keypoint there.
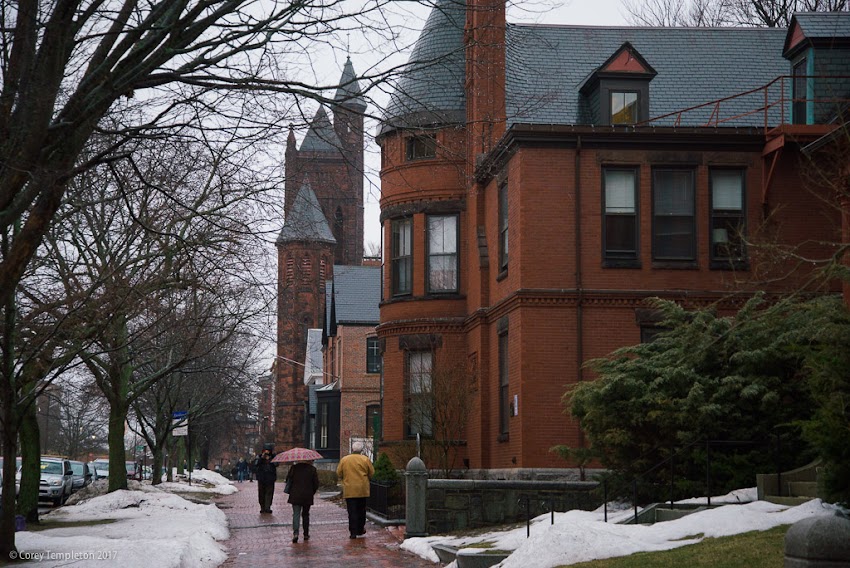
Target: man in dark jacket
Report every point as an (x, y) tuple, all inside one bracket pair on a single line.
[(303, 482), (266, 476)]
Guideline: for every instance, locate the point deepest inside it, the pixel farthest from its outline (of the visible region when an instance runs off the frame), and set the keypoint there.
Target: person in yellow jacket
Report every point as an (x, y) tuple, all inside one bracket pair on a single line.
[(354, 472)]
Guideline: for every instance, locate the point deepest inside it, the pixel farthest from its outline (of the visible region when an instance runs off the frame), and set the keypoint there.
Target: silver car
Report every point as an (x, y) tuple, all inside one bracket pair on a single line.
[(56, 480)]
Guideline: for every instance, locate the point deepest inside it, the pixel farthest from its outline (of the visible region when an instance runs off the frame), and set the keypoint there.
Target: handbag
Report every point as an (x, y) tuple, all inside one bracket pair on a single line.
[(288, 486)]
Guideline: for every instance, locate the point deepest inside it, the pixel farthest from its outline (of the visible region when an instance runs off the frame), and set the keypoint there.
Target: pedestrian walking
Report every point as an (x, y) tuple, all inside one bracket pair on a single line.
[(266, 477), (241, 469), (302, 481), (354, 472)]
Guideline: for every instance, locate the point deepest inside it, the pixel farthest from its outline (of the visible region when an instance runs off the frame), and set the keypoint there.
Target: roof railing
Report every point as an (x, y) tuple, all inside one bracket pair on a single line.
[(768, 102)]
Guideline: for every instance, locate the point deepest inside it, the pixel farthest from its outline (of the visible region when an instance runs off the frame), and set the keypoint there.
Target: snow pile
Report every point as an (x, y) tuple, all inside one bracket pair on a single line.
[(149, 526), (579, 536), (210, 477)]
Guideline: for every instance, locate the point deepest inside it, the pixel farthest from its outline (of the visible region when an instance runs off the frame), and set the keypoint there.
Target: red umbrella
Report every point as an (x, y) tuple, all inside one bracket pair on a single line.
[(297, 455)]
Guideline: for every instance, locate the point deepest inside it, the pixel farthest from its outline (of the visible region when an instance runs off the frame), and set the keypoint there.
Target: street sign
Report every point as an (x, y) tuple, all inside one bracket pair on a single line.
[(140, 448), (180, 423)]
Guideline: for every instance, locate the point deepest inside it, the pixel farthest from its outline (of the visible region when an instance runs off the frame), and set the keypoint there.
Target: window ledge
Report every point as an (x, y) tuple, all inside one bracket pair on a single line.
[(401, 299), (502, 275), (621, 263), (729, 265), (503, 438), (675, 264)]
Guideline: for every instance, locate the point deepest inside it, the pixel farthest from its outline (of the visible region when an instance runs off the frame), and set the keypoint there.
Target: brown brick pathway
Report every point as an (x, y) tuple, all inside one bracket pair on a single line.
[(266, 540)]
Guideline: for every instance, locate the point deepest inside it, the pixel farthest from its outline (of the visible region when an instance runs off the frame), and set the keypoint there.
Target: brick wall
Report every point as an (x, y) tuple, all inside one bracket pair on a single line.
[(358, 389)]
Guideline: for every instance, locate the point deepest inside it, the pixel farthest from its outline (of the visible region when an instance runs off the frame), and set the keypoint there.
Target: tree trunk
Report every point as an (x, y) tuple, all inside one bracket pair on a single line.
[(115, 438), (30, 462), (8, 397), (156, 466)]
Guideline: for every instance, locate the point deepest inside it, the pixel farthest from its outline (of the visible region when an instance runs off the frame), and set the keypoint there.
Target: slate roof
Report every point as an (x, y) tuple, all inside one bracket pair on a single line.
[(431, 90), (356, 291), (321, 136), (824, 24), (306, 221), (547, 64), (349, 94)]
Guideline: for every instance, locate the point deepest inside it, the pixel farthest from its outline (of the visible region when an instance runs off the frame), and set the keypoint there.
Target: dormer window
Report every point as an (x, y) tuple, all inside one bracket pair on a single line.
[(624, 107), (617, 92)]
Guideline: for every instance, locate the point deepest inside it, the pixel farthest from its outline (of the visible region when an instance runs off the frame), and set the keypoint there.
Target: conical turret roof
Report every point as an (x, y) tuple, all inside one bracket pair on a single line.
[(431, 90), (321, 136), (349, 94), (306, 221)]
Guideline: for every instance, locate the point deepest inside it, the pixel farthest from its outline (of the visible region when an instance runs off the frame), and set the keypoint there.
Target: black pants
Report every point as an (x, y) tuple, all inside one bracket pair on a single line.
[(356, 515), (265, 492)]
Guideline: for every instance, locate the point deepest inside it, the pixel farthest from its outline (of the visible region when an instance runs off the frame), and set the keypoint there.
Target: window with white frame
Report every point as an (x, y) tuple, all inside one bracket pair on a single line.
[(442, 253), (373, 355), (620, 232), (402, 256), (420, 411)]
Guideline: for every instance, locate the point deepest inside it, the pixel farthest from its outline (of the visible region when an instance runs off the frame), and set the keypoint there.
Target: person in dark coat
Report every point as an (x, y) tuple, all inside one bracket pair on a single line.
[(266, 476), (303, 480)]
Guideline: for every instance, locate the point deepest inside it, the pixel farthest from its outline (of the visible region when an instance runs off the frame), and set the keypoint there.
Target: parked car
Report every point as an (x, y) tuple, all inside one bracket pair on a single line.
[(82, 475), (56, 480), (132, 470), (95, 472), (102, 467)]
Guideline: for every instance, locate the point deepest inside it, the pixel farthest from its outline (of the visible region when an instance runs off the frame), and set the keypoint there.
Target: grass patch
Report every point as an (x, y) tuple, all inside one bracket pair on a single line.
[(485, 544), (56, 524), (757, 549)]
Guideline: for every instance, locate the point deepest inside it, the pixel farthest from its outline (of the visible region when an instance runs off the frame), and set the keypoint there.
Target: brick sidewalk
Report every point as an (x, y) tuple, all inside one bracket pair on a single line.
[(266, 540)]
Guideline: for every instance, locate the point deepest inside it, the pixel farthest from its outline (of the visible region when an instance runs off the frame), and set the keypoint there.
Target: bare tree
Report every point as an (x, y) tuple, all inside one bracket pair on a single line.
[(712, 13)]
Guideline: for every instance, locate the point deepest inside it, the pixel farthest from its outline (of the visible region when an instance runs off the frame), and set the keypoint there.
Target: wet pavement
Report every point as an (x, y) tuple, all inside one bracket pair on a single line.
[(266, 540)]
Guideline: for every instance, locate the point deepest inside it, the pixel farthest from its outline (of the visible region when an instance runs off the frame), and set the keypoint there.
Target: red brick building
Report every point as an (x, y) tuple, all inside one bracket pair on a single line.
[(352, 357), (323, 226), (542, 181)]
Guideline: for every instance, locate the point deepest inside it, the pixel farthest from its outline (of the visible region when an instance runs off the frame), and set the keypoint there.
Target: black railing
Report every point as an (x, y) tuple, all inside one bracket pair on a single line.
[(671, 461), (387, 499)]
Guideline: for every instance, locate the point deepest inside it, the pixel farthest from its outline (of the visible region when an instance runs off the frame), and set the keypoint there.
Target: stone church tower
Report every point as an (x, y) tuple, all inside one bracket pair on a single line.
[(323, 226)]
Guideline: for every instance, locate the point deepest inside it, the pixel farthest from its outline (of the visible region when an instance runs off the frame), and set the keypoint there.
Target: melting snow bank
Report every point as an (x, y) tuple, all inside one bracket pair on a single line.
[(579, 536), (149, 528)]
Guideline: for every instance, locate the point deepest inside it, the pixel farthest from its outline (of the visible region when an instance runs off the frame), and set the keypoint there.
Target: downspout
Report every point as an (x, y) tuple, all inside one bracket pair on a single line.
[(579, 285)]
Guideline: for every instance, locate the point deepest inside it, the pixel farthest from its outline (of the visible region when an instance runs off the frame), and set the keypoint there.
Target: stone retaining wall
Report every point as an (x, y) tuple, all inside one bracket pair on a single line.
[(456, 504)]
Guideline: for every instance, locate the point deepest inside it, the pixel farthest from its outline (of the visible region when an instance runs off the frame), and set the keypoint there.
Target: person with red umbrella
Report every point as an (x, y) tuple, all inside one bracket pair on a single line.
[(302, 482)]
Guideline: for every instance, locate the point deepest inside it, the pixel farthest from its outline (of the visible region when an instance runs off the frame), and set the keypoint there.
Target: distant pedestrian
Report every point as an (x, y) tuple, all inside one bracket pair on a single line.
[(241, 469), (266, 476), (303, 481), (354, 472)]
